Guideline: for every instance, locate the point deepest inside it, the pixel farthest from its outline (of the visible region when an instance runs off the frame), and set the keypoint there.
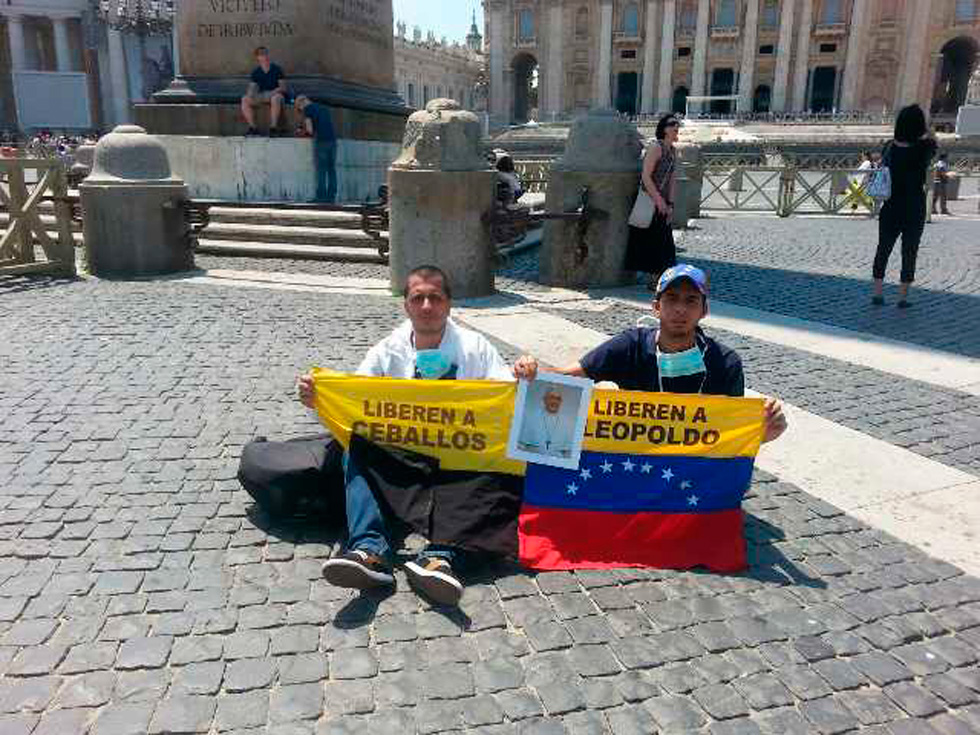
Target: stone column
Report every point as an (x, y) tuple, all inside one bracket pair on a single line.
[(18, 53), (750, 52), (857, 48), (603, 154), (499, 107), (604, 82), (649, 100), (555, 48), (783, 54), (915, 49), (119, 76), (175, 40), (62, 48), (700, 51), (803, 56), (667, 56)]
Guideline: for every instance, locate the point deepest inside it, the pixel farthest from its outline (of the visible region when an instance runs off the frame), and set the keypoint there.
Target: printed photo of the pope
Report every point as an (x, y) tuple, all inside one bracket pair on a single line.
[(549, 420)]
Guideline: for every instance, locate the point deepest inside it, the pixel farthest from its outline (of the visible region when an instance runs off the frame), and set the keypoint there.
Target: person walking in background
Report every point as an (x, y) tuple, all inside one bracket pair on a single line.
[(904, 213), (940, 190), (651, 249), (319, 125)]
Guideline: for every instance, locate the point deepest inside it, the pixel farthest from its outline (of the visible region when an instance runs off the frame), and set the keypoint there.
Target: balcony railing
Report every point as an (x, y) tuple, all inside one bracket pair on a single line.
[(526, 41), (831, 29), (724, 31), (626, 36)]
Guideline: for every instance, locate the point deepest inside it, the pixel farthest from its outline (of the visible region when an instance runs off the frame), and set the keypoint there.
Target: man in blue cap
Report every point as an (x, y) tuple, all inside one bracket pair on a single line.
[(677, 357)]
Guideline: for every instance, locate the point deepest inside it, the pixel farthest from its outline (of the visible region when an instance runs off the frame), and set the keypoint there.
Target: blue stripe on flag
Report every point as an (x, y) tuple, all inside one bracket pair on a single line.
[(626, 483)]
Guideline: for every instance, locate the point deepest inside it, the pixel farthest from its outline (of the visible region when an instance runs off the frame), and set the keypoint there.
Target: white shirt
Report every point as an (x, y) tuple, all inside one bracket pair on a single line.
[(472, 354), (546, 433)]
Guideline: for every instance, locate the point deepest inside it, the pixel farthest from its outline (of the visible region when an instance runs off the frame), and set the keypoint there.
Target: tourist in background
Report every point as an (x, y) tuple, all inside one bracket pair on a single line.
[(267, 87), (319, 125), (508, 176), (651, 249), (904, 213), (940, 190)]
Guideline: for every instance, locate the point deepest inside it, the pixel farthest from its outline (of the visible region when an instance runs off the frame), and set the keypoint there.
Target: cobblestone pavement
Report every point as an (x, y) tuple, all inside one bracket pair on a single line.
[(138, 594), (940, 423)]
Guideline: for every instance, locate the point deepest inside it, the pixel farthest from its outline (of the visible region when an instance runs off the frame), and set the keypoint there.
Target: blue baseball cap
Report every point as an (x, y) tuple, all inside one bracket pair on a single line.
[(695, 275)]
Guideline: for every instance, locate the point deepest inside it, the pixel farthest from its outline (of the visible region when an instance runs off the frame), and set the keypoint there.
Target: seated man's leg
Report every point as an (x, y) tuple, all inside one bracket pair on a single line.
[(432, 574), (365, 562), (248, 112), (275, 102)]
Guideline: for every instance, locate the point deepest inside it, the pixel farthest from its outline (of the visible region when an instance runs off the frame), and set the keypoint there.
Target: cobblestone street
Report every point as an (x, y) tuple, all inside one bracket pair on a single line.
[(140, 592)]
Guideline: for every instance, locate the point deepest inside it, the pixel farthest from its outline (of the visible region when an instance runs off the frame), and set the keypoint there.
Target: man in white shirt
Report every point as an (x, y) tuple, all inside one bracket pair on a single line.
[(428, 346), (544, 431)]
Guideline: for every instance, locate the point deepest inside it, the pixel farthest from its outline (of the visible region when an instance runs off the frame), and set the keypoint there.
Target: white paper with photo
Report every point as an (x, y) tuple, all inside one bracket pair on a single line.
[(549, 420)]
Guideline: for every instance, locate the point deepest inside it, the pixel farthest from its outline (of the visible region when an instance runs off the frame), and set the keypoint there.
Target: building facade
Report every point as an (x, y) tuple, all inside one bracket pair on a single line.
[(551, 59), (429, 69), (63, 69)]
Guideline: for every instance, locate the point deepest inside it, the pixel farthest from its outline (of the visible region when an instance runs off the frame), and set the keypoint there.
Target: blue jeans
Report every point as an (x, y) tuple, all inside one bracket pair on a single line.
[(366, 527), (326, 170)]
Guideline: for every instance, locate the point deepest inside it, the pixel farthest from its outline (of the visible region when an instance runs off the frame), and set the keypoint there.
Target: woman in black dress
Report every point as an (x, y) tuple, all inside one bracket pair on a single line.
[(651, 249), (904, 214)]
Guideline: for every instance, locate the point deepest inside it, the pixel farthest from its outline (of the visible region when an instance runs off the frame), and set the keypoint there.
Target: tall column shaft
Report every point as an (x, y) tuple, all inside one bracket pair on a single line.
[(62, 48), (783, 54), (499, 109), (18, 52), (803, 56), (604, 83), (856, 53), (175, 54), (667, 55), (750, 51), (915, 49), (120, 79), (700, 50), (555, 72), (649, 100)]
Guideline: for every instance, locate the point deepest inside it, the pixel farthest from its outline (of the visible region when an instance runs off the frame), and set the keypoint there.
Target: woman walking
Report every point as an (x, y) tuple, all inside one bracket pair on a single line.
[(904, 214), (651, 249)]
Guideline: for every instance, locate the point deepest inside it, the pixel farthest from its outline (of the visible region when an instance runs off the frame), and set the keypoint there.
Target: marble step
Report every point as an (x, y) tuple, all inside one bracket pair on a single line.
[(320, 236), (296, 251), (286, 217)]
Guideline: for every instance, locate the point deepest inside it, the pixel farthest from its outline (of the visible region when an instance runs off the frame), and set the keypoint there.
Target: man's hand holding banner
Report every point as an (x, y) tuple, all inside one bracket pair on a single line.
[(659, 483)]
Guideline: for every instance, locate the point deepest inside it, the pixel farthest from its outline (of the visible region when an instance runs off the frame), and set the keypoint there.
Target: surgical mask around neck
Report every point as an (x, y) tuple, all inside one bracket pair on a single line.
[(680, 364), (432, 364)]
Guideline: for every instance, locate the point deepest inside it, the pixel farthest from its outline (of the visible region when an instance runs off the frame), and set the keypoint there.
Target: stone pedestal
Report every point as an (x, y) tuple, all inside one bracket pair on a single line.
[(968, 121), (441, 188), (603, 154), (689, 162), (134, 217)]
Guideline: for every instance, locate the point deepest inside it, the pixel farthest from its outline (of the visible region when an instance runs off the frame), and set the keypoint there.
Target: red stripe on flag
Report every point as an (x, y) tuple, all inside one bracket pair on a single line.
[(576, 539)]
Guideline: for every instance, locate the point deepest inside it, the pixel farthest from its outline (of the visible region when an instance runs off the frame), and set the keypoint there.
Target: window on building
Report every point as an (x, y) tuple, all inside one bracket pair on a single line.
[(411, 95), (832, 12), (680, 100), (762, 99), (683, 51), (888, 11), (629, 53), (689, 16), (767, 49), (425, 94), (582, 23), (770, 14), (726, 14), (828, 48), (439, 91), (525, 24), (631, 20), (966, 9)]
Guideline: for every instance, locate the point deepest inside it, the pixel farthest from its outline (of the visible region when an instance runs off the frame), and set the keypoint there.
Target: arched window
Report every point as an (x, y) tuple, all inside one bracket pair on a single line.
[(966, 9), (680, 100), (582, 23), (726, 14), (770, 14), (832, 12), (631, 20), (525, 24), (762, 99), (411, 95), (689, 15)]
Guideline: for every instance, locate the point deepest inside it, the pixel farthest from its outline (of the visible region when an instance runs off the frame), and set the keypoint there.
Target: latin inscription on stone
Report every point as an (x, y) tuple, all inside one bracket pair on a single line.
[(360, 19)]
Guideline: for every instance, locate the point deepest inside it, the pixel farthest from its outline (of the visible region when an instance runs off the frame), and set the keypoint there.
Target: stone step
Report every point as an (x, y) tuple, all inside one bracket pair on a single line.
[(320, 236), (46, 219), (289, 250), (286, 217), (76, 234)]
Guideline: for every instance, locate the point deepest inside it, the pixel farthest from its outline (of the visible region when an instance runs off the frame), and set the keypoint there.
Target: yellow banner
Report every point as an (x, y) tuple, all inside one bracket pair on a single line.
[(465, 423)]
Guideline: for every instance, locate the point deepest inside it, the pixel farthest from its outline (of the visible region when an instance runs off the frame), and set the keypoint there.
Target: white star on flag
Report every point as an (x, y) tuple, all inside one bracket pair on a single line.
[(693, 500), (668, 474), (628, 466), (572, 489), (586, 474), (645, 469), (686, 485), (606, 466)]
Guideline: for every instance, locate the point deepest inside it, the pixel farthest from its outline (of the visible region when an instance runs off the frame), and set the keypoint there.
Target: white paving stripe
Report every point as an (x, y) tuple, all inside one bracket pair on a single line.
[(303, 282), (919, 500), (944, 369)]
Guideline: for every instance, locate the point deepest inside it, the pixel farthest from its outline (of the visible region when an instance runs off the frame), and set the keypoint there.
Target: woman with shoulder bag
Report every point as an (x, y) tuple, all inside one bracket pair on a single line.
[(903, 215), (651, 248)]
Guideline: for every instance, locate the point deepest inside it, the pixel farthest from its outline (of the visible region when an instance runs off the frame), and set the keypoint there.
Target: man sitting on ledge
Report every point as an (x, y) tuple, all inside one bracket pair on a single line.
[(268, 86)]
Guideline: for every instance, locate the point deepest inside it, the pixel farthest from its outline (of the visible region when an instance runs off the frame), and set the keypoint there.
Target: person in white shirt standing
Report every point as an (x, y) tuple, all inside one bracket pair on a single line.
[(428, 346)]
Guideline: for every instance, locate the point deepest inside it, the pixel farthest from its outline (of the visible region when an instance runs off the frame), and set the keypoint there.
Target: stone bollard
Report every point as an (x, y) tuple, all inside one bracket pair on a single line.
[(603, 154), (441, 188), (134, 219), (689, 158), (82, 166), (683, 192)]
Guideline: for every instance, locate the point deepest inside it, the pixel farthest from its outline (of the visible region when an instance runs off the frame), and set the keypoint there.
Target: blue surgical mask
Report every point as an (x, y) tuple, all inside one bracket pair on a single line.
[(432, 364), (679, 364)]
